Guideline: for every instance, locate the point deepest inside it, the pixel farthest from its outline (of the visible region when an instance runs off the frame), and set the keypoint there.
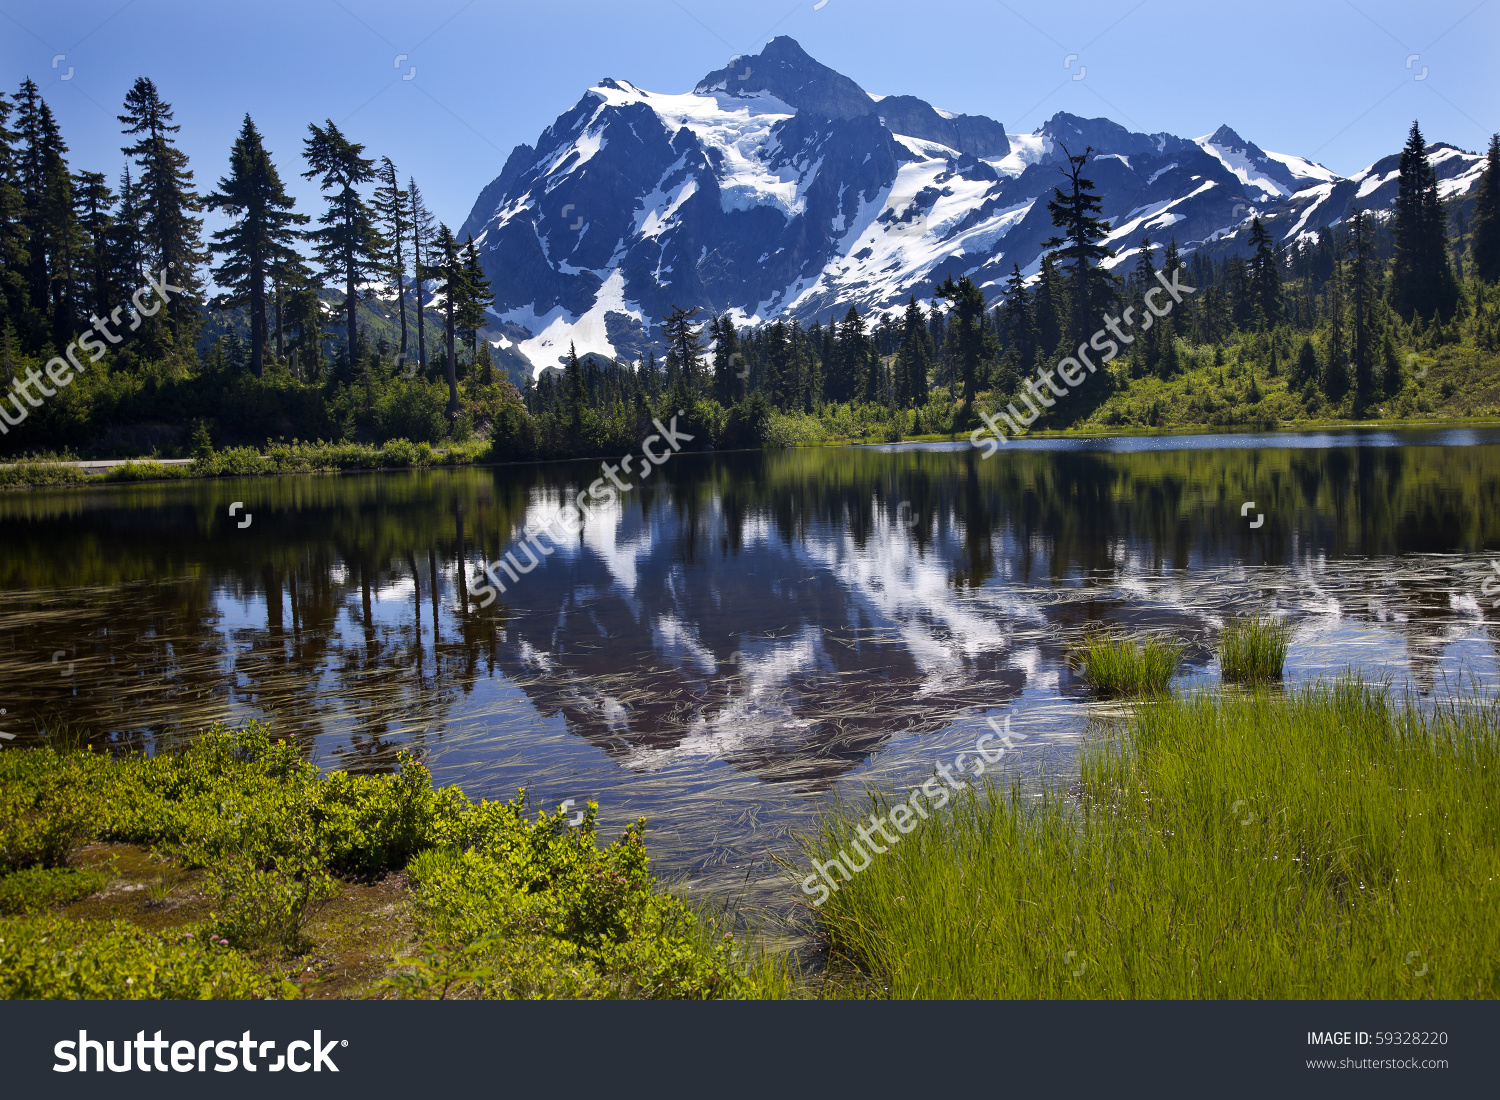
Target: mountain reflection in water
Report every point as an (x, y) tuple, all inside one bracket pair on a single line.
[(746, 634)]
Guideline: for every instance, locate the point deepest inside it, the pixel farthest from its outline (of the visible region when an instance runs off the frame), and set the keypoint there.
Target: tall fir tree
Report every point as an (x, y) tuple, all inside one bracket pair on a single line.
[(1422, 280), (729, 361), (684, 354), (349, 245), (914, 359), (93, 202), (1050, 308), (263, 232), (1075, 212), (1265, 275), (1486, 224), (47, 220), (172, 234), (421, 236), (13, 255), (392, 210), (446, 267), (969, 341), (476, 299), (1363, 292)]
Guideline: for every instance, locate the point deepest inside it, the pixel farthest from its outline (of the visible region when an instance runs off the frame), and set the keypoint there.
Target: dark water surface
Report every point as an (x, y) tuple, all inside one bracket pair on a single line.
[(746, 635)]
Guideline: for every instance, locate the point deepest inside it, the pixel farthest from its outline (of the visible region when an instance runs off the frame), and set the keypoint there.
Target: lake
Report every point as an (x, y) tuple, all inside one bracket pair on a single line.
[(746, 636)]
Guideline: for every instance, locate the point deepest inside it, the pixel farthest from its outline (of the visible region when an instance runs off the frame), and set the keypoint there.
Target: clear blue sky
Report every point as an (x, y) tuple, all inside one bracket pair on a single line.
[(1321, 78)]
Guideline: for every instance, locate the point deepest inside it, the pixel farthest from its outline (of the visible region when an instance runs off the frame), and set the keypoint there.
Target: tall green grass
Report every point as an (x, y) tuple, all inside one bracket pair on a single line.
[(1321, 843), (1253, 649), (1114, 664)]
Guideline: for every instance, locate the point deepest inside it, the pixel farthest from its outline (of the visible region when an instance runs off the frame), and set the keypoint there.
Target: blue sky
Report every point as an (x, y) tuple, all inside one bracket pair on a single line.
[(1324, 79)]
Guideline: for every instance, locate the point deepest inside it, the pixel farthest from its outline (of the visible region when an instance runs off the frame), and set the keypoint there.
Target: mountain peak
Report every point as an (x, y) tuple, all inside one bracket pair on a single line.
[(1226, 137), (784, 69)]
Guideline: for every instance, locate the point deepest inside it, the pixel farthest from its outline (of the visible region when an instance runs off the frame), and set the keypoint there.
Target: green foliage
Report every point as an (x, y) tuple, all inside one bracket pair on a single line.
[(1117, 665), (1323, 843), (44, 811), (411, 409), (1254, 649), (552, 912), (265, 911), (47, 958), (38, 888)]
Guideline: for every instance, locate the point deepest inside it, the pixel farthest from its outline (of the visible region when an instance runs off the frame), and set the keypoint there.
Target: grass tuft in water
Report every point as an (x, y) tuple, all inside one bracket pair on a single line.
[(1118, 665), (1253, 649)]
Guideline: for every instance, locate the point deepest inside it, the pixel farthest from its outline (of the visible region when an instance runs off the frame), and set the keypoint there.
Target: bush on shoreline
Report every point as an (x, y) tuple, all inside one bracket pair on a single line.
[(546, 909)]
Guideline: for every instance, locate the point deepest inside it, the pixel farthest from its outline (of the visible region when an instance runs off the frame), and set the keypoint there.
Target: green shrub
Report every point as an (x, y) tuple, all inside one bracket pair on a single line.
[(43, 820), (146, 470), (549, 913), (49, 957), (1254, 649), (412, 409), (265, 911), (38, 888), (40, 473), (1117, 665)]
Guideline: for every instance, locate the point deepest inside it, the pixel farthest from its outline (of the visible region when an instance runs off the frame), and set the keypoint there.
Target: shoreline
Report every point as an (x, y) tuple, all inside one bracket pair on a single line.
[(82, 473)]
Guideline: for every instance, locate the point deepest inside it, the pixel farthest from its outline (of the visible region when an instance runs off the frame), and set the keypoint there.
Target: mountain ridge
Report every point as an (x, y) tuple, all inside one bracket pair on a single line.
[(779, 188)]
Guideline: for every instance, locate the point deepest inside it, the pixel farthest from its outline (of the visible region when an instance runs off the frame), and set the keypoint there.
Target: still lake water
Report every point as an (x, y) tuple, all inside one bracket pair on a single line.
[(748, 635)]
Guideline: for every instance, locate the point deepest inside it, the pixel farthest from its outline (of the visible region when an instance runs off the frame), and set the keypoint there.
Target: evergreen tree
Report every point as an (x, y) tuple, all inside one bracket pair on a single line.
[(1305, 367), (392, 209), (1486, 225), (1422, 280), (261, 236), (914, 359), (448, 271), (970, 343), (1050, 308), (1144, 275), (1362, 289), (729, 361), (46, 190), (421, 235), (576, 402), (684, 355), (172, 235), (92, 202), (126, 246), (1265, 274), (349, 246), (14, 260), (474, 307), (847, 381), (1075, 212), (1019, 323)]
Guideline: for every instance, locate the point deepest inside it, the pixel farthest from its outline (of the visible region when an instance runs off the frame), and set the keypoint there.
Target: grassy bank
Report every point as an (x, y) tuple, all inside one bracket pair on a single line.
[(282, 458), (232, 868), (1321, 843)]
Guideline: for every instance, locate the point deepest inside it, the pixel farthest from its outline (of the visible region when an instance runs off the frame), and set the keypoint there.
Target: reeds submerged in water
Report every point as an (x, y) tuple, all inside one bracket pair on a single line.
[(1253, 649), (1119, 665)]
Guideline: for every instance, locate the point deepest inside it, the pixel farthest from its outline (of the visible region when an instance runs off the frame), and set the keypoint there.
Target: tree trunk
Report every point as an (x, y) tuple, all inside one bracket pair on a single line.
[(257, 321)]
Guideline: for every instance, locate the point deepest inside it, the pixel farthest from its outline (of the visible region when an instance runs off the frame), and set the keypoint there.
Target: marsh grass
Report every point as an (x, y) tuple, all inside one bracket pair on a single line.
[(1119, 665), (1322, 843), (1253, 649)]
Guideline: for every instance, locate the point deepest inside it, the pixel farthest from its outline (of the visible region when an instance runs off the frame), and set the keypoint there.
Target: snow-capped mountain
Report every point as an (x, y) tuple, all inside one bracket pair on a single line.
[(779, 187)]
